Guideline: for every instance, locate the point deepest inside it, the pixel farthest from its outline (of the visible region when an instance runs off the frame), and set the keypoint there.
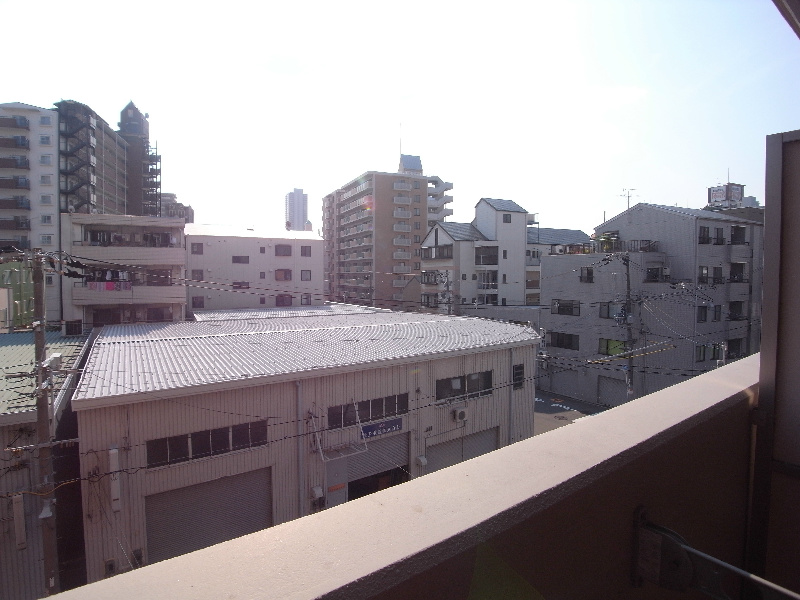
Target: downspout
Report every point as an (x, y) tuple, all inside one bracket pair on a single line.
[(301, 499), (510, 397)]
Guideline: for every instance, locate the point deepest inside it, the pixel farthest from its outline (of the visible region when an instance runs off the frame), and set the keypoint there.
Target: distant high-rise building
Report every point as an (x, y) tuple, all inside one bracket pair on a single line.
[(296, 210), (144, 164)]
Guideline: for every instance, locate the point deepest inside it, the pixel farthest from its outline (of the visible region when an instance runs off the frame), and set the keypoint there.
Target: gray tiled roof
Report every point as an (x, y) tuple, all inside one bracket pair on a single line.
[(17, 356), (504, 205), (140, 360), (545, 235), (461, 232)]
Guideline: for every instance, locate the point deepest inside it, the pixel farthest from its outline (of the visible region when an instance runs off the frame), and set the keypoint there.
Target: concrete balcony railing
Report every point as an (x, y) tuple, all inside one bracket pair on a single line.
[(130, 255), (401, 269), (124, 292), (402, 200), (399, 213), (400, 241), (549, 517), (404, 227), (400, 255)]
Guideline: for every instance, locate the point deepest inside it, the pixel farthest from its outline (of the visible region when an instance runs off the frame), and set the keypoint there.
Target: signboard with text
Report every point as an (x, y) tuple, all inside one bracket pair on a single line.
[(370, 431)]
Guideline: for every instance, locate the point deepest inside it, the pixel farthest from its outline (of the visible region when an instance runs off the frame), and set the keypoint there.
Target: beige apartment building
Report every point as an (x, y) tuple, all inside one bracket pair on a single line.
[(373, 228), (235, 268)]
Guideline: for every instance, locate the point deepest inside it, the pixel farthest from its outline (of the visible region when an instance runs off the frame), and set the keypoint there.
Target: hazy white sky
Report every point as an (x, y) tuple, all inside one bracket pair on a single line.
[(555, 105)]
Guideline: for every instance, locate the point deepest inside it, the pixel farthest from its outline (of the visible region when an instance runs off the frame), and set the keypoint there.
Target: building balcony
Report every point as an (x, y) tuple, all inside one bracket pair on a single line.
[(399, 185), (16, 202), (399, 213), (17, 141), (130, 255), (402, 200), (14, 123), (404, 227), (401, 269), (124, 292), (15, 162), (16, 224), (551, 516), (15, 183), (400, 255), (533, 262), (398, 241)]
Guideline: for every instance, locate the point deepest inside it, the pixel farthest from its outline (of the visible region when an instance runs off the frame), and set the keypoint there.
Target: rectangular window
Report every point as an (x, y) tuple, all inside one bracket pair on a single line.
[(240, 260), (201, 443), (505, 254), (283, 250), (305, 299), (569, 341), (565, 307), (610, 347), (47, 219), (262, 250), (45, 120), (736, 310), (704, 237), (417, 199), (262, 275), (283, 300), (484, 255), (46, 198), (716, 352), (738, 234), (719, 236), (417, 239), (46, 240), (699, 353), (305, 275), (46, 159), (587, 274), (220, 440), (417, 266), (197, 248), (240, 285), (702, 314), (283, 274), (610, 310), (702, 274), (262, 299), (305, 250), (197, 274), (49, 279), (518, 376), (417, 225), (416, 185), (506, 218), (198, 301), (717, 278), (416, 212), (717, 312), (44, 140), (46, 180)]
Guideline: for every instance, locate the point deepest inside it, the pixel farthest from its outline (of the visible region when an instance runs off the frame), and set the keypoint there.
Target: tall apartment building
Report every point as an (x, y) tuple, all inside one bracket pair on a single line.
[(373, 228), (170, 207), (665, 293), (297, 211), (144, 164)]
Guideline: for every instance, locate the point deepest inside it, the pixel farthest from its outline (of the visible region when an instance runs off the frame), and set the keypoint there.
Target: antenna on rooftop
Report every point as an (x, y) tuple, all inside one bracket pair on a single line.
[(401, 138), (626, 193)]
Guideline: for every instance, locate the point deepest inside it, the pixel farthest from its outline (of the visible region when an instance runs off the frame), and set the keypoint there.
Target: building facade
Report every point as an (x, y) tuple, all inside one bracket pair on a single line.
[(297, 211), (231, 268), (143, 173), (373, 228), (132, 270), (286, 418), (664, 293)]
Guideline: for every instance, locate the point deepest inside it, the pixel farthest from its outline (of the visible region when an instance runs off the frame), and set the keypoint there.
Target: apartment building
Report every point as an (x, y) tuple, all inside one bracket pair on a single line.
[(297, 211), (234, 268), (132, 270), (663, 294), (170, 207), (373, 228), (242, 424), (143, 172)]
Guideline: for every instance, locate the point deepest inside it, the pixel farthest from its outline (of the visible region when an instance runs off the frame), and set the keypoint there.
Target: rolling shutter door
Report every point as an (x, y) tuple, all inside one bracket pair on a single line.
[(453, 452), (198, 516), (565, 382), (611, 391), (382, 455)]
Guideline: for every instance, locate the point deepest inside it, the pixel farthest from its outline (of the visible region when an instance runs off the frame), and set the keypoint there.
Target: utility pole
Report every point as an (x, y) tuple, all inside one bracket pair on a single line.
[(47, 520), (626, 259)]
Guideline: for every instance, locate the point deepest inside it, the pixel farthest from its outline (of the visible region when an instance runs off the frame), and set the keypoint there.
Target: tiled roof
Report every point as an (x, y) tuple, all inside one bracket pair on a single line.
[(545, 235), (462, 231), (17, 356), (504, 205), (143, 360)]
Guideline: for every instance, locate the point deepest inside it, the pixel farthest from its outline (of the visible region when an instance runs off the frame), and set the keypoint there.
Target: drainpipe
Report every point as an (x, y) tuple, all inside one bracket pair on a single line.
[(301, 497), (510, 396)]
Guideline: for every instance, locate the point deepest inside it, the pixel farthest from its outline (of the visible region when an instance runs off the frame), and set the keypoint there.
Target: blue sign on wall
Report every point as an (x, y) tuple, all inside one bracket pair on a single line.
[(369, 431)]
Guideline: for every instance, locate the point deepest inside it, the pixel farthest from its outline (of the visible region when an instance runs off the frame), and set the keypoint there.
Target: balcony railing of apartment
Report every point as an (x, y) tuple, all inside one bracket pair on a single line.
[(551, 516), (399, 213), (15, 183), (737, 279), (719, 241), (400, 255), (400, 241), (531, 261), (20, 202), (15, 224), (17, 141), (625, 245), (15, 122), (404, 227), (19, 244), (487, 285), (401, 269), (430, 278), (402, 200), (437, 252), (15, 162), (400, 185), (704, 239)]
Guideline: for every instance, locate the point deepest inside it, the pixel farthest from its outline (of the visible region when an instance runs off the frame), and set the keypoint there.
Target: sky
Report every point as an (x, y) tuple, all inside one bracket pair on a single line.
[(559, 106)]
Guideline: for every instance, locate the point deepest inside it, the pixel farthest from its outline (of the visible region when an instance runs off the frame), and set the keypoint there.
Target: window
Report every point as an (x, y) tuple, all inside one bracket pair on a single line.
[(46, 159), (262, 299), (305, 275), (719, 236), (702, 314), (484, 255), (283, 250), (704, 237), (198, 302), (180, 448), (283, 274), (416, 185), (506, 218), (471, 386), (717, 312), (417, 239), (416, 212), (611, 310), (262, 275), (47, 219), (505, 254), (305, 299), (305, 250), (240, 260), (49, 279), (46, 198), (736, 310), (44, 140), (417, 266), (569, 341), (376, 409), (518, 376), (417, 225), (716, 352), (565, 307), (699, 353), (738, 235), (45, 120), (47, 240), (197, 248), (197, 274), (504, 275), (716, 277), (702, 274), (283, 300), (587, 274), (417, 199), (46, 179), (463, 277), (610, 347), (240, 285)]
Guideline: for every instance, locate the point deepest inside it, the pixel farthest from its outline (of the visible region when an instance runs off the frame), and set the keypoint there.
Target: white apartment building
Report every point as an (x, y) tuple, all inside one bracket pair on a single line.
[(242, 424), (233, 268), (667, 293)]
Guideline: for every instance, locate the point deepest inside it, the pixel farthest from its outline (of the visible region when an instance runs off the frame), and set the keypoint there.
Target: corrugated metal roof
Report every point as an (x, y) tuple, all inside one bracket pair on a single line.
[(17, 356), (152, 358), (461, 232), (546, 235), (504, 205), (275, 313)]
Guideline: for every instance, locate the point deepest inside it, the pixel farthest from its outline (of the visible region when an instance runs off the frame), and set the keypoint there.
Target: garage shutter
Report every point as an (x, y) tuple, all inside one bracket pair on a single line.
[(611, 391), (565, 382), (453, 452), (198, 516), (382, 455)]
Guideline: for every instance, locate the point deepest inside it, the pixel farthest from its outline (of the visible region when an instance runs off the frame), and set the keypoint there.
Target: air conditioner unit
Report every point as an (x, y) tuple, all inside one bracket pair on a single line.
[(460, 414), (559, 249), (666, 271)]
